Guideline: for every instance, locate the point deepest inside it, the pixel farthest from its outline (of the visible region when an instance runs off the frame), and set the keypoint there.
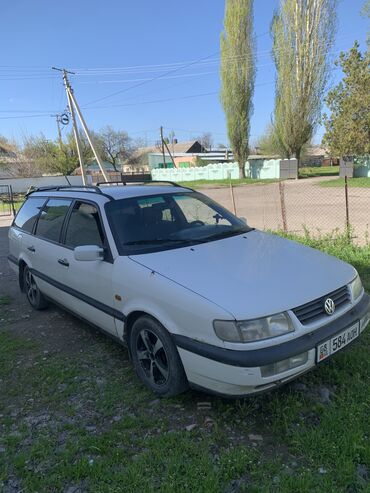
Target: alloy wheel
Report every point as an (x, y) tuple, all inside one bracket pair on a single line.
[(152, 357), (31, 288)]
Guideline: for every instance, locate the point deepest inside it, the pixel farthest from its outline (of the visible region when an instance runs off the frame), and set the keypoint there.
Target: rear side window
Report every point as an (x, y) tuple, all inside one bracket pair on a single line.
[(51, 219), (28, 213), (84, 227)]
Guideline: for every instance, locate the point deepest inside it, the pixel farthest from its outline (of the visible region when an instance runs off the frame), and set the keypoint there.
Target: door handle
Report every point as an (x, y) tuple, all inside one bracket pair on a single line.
[(31, 249), (63, 261)]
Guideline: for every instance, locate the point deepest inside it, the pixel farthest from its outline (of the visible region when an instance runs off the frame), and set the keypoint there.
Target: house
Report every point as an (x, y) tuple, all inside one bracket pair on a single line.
[(146, 158), (317, 155)]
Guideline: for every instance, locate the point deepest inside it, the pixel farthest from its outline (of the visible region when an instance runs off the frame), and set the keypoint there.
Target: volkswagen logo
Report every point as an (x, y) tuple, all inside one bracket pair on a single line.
[(329, 306)]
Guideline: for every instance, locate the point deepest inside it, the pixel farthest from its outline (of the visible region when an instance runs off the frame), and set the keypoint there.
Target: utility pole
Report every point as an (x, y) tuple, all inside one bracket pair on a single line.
[(169, 152), (162, 144), (72, 103), (59, 131)]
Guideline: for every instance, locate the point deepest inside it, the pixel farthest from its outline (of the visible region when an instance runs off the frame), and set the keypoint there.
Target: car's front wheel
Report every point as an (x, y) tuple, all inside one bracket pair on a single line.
[(34, 295), (156, 359)]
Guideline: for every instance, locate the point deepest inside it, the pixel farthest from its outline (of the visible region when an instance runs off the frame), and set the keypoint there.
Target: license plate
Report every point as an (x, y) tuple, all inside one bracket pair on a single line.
[(331, 346)]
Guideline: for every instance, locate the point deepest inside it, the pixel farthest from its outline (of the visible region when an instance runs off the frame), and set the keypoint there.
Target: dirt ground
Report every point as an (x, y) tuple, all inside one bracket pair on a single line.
[(74, 418), (53, 327), (307, 205)]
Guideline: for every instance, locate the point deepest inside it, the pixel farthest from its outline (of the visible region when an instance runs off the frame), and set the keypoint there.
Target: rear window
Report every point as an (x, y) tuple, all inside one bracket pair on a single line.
[(51, 219), (28, 213)]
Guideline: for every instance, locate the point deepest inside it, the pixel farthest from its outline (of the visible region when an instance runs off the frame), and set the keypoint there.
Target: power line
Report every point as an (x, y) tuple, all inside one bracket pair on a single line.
[(168, 99), (24, 116), (147, 81)]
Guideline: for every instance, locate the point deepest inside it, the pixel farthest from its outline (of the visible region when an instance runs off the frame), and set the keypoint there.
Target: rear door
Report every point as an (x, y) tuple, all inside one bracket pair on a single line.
[(44, 249), (21, 233), (89, 283)]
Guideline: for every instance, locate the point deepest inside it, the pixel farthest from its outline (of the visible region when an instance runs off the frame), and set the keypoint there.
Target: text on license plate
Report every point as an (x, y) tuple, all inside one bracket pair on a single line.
[(331, 346)]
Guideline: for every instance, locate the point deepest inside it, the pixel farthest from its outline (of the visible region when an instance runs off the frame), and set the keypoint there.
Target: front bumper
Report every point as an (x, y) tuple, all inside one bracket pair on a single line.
[(238, 372)]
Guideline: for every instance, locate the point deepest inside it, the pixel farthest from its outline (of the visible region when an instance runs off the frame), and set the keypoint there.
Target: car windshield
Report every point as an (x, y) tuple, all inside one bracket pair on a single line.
[(172, 220)]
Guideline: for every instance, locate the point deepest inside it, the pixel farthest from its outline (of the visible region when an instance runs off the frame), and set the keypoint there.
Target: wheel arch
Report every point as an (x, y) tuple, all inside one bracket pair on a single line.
[(131, 319)]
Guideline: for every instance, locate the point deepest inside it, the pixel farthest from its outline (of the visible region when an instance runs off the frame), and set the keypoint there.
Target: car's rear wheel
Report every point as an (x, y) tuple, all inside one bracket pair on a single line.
[(34, 295), (156, 359)]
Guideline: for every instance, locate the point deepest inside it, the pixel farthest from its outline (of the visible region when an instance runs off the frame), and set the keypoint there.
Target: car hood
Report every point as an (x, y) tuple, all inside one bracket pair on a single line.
[(252, 275)]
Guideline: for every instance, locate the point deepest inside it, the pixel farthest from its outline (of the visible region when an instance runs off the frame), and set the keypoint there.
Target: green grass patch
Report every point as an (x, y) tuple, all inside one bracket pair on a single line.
[(83, 419), (352, 182), (311, 172), (226, 182), (4, 300)]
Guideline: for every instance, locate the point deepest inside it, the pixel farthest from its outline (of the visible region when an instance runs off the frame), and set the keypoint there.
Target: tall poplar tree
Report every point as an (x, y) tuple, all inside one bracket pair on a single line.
[(303, 34), (238, 75)]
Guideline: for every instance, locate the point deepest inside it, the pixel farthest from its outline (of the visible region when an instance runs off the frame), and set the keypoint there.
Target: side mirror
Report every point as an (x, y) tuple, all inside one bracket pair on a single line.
[(88, 253), (244, 219)]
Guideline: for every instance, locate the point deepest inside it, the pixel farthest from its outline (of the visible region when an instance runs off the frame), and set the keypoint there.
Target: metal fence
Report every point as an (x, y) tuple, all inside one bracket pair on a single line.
[(6, 200), (297, 206)]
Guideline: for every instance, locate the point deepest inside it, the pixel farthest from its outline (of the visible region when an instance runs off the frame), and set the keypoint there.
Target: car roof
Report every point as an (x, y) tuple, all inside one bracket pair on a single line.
[(114, 192)]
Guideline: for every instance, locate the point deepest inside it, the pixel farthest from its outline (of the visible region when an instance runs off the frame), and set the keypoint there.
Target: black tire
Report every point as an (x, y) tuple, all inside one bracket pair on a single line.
[(34, 295), (155, 358)]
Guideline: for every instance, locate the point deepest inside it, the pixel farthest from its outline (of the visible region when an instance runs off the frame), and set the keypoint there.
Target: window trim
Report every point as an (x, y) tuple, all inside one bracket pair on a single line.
[(108, 257), (61, 229), (37, 216)]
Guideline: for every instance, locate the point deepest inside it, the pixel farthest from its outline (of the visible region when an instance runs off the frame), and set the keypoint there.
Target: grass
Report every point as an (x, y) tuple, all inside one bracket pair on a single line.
[(83, 419), (226, 182), (352, 182), (318, 171)]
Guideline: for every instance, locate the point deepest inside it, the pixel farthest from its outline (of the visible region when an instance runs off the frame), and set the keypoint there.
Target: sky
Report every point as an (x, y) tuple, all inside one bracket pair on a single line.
[(138, 65)]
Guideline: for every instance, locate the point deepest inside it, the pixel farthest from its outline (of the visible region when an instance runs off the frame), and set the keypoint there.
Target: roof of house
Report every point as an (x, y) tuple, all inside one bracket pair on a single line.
[(184, 147), (316, 150)]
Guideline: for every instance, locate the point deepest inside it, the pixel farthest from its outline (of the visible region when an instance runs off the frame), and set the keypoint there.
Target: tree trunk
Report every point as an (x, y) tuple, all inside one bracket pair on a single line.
[(298, 158), (241, 170)]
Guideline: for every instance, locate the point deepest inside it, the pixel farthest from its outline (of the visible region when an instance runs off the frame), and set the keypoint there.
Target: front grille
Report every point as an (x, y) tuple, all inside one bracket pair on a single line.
[(314, 310)]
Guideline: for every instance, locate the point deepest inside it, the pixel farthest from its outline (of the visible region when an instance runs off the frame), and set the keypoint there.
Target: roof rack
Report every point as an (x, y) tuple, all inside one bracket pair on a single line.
[(142, 182), (68, 188)]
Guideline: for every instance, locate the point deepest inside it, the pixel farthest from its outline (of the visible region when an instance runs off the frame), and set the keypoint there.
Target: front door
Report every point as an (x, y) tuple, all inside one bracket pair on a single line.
[(89, 283)]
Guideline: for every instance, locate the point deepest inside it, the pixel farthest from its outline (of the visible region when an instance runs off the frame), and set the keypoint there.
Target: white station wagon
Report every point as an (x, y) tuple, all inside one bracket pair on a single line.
[(200, 298)]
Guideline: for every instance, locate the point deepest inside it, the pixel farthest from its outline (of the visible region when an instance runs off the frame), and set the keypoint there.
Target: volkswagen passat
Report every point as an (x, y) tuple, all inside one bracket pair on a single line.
[(199, 297)]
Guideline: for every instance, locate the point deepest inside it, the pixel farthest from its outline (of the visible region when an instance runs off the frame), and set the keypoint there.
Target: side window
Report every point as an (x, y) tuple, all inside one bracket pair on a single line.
[(27, 215), (51, 220), (84, 227)]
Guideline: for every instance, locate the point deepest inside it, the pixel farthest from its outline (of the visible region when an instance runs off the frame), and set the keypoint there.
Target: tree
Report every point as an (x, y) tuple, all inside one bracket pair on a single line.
[(365, 12), (206, 140), (114, 145), (303, 33), (51, 157), (238, 75), (269, 144), (348, 127)]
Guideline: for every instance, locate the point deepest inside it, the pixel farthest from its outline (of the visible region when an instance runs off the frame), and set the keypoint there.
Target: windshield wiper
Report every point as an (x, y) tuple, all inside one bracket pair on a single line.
[(162, 240), (225, 234)]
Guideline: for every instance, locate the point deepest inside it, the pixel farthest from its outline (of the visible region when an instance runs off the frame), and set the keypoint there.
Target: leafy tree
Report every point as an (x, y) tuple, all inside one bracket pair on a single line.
[(348, 127), (269, 144), (303, 33), (238, 75), (51, 157), (365, 12)]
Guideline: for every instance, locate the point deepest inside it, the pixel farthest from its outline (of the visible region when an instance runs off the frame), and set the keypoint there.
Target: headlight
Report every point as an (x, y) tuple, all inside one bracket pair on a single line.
[(253, 330), (356, 288)]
